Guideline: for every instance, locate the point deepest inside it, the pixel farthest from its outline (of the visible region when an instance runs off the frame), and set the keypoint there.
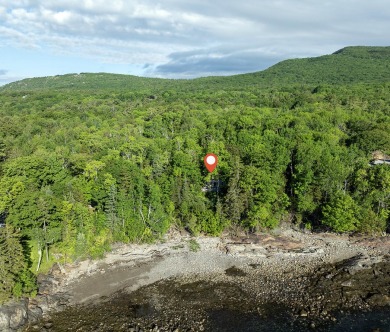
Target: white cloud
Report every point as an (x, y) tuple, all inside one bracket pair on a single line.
[(23, 39), (242, 35), (61, 18)]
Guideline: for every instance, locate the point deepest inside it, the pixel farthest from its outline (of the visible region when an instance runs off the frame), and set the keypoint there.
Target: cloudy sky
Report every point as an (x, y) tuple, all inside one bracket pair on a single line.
[(178, 38)]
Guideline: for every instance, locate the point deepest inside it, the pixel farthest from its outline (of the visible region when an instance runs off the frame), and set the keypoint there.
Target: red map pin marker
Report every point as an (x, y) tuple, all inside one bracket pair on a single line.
[(210, 161)]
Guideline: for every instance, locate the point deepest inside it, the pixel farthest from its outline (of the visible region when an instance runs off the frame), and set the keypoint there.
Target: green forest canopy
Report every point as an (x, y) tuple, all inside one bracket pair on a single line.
[(91, 159)]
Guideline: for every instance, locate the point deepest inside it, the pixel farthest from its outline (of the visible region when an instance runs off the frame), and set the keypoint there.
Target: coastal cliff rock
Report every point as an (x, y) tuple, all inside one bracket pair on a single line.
[(13, 315), (16, 314)]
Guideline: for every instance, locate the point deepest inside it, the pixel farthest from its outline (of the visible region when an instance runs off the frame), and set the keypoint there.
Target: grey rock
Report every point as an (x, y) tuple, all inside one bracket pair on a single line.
[(379, 300), (43, 304), (347, 283), (34, 314), (48, 325), (13, 315), (360, 262), (303, 313), (4, 319), (18, 318)]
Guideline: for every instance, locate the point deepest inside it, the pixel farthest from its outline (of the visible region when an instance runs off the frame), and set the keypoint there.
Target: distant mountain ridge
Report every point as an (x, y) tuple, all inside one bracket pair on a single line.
[(348, 65), (354, 64), (365, 52)]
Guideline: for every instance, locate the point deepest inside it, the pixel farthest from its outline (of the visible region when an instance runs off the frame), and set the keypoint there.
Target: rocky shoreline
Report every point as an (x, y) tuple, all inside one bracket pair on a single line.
[(186, 284)]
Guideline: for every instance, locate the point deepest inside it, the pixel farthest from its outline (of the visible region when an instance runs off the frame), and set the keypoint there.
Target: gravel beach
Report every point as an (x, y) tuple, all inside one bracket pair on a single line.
[(129, 267), (188, 284)]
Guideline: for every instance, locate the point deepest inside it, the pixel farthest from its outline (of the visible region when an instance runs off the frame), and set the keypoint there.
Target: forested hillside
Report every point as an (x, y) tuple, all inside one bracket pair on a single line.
[(121, 159), (348, 65)]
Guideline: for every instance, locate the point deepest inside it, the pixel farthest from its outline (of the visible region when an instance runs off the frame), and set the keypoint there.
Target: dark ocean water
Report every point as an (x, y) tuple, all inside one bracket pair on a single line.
[(274, 318), (280, 320)]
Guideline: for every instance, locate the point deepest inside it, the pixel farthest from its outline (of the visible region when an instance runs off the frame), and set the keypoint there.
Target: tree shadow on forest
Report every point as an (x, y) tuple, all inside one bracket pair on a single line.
[(25, 242)]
